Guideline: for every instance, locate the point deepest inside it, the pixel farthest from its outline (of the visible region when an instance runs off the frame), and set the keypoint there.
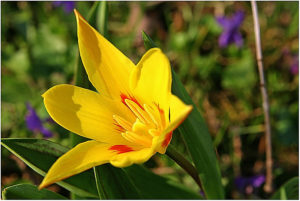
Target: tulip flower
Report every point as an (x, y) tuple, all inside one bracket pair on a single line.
[(128, 120)]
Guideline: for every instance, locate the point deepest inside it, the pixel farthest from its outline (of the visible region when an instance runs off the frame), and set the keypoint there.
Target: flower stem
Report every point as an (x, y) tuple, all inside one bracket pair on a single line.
[(184, 163), (269, 175)]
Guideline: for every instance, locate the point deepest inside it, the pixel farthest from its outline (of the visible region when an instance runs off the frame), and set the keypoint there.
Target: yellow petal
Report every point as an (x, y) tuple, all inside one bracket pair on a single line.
[(80, 158), (151, 80), (133, 157), (178, 113), (86, 113), (108, 69)]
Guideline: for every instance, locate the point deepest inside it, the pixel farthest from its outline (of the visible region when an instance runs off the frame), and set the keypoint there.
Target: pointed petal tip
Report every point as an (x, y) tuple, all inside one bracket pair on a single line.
[(78, 16), (190, 108), (42, 185)]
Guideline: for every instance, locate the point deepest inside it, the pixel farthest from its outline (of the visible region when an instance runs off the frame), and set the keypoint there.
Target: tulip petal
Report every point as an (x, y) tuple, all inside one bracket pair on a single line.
[(108, 69), (129, 158), (92, 153), (82, 157), (178, 113), (151, 80), (86, 113)]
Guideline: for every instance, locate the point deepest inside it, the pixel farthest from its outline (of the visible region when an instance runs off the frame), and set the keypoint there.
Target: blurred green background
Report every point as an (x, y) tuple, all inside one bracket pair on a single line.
[(39, 50)]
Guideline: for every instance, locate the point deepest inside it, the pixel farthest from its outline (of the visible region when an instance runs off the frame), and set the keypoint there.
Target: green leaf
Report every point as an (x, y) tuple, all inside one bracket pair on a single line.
[(148, 42), (29, 192), (40, 154), (289, 190), (114, 183), (198, 141), (101, 19), (152, 186), (199, 144)]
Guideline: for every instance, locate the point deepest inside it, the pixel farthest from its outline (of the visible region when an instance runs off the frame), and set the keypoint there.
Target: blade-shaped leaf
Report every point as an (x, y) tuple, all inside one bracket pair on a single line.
[(288, 191), (114, 183), (199, 144), (152, 186), (29, 192), (148, 42), (197, 139), (40, 154)]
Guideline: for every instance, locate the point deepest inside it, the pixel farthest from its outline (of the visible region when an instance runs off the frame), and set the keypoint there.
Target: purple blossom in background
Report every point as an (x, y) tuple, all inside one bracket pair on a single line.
[(295, 65), (248, 184), (291, 60), (35, 124), (67, 5), (231, 33)]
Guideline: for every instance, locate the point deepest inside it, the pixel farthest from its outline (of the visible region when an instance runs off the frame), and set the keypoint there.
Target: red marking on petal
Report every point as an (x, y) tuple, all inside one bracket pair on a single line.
[(121, 148), (124, 97), (167, 139), (161, 112)]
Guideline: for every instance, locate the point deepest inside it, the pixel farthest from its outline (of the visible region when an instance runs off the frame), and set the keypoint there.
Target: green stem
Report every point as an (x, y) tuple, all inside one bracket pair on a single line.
[(185, 164)]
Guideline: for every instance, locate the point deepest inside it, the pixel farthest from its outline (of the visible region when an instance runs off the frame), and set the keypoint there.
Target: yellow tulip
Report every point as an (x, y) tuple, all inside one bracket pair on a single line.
[(130, 118)]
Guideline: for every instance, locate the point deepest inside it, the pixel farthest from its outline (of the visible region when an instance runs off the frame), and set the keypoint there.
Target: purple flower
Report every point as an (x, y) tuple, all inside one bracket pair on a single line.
[(230, 27), (68, 5), (248, 184), (35, 124), (295, 65)]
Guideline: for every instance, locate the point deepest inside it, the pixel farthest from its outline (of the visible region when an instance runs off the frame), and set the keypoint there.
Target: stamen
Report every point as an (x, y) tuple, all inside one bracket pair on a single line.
[(119, 128), (154, 132), (150, 121), (135, 138), (136, 109), (152, 115), (122, 122), (140, 128)]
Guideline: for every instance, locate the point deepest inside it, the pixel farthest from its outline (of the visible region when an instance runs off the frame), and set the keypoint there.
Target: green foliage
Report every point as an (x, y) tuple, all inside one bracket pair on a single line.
[(29, 192), (152, 186), (288, 191), (41, 154), (240, 75), (198, 141), (114, 183)]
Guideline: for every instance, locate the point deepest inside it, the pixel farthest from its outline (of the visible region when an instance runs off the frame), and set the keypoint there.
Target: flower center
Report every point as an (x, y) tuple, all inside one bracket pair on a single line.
[(150, 121)]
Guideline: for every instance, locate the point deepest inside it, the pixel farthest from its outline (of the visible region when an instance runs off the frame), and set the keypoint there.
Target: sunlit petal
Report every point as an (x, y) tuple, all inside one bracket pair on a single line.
[(85, 112), (151, 80), (108, 69), (178, 113), (78, 159)]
